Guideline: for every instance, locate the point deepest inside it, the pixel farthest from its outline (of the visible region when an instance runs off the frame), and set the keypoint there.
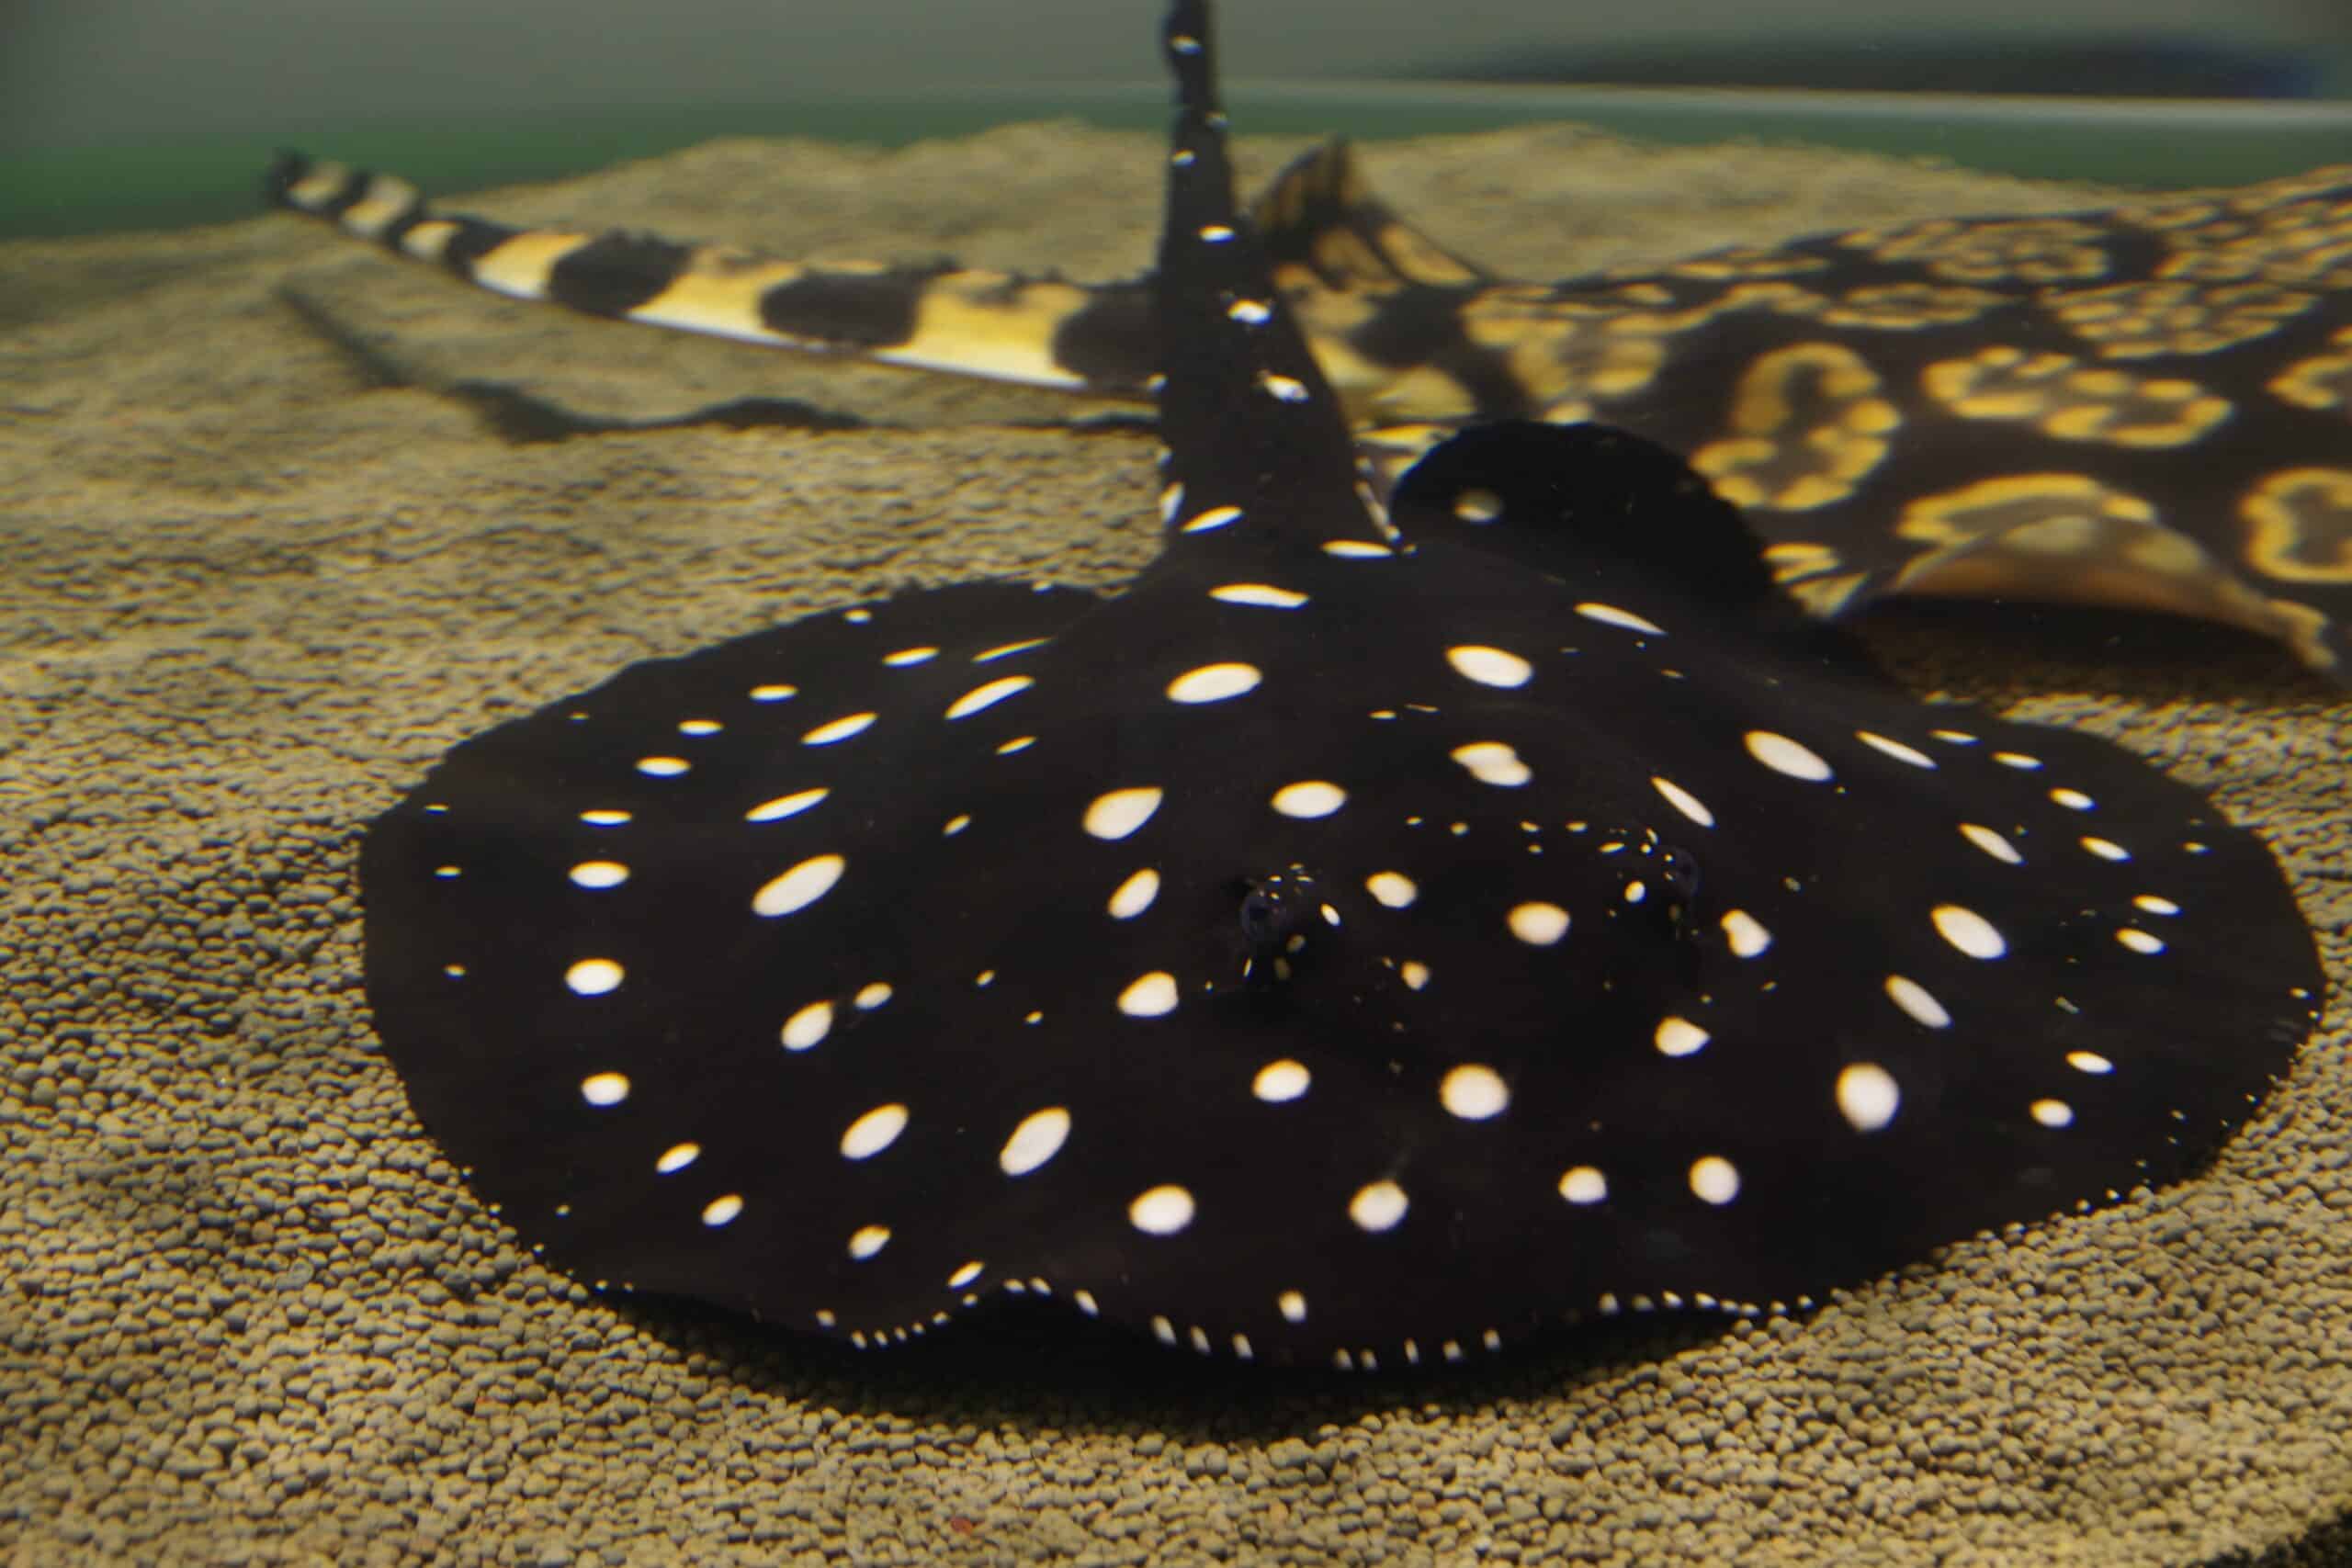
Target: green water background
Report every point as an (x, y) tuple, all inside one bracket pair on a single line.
[(2159, 144)]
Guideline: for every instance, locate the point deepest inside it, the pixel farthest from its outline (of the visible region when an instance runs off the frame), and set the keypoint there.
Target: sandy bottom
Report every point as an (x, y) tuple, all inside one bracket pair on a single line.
[(274, 537)]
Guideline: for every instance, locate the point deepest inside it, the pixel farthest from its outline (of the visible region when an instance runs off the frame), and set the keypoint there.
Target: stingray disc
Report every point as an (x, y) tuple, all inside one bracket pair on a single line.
[(1361, 941)]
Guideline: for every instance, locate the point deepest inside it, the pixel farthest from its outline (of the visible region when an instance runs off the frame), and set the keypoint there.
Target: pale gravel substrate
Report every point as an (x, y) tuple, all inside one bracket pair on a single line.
[(247, 1315)]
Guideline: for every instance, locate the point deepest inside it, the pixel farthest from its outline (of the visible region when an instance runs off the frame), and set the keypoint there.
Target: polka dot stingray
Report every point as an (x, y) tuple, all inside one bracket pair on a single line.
[(1385, 940)]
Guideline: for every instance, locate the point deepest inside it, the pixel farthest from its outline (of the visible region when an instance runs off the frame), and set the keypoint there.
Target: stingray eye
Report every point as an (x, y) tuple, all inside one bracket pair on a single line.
[(1274, 916), (1263, 921), (1650, 881), (1277, 914), (1678, 875)]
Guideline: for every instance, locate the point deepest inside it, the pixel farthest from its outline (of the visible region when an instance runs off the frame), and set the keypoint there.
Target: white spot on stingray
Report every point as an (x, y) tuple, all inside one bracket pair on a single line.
[(800, 886), (1393, 888), (1171, 502), (1714, 1179), (1007, 649), (1378, 1206), (603, 1089), (1292, 1305), (1287, 389), (1896, 748), (1263, 594), (867, 1240), (2154, 905), (2105, 848), (1478, 506), (873, 1131), (599, 874), (1489, 666), (2051, 1113), (785, 805), (1134, 895), (593, 976), (839, 729), (1018, 743), (1991, 843), (1250, 312), (1149, 996), (1417, 973), (603, 818), (871, 996), (1356, 549), (2088, 1062), (907, 656), (1539, 924), (987, 696), (1867, 1096), (698, 726), (1215, 233), (1678, 1036), (1161, 1211), (1969, 932), (1086, 1302), (1309, 797), (2018, 760), (773, 691), (662, 767), (1611, 615), (1038, 1139), (1491, 762), (2138, 940), (2072, 800), (965, 1275), (1914, 998), (1682, 800), (1783, 755), (677, 1157), (1279, 1081), (720, 1210), (954, 825), (808, 1026), (1583, 1184), (1215, 518), (1474, 1091), (1120, 812), (1213, 683), (1747, 935)]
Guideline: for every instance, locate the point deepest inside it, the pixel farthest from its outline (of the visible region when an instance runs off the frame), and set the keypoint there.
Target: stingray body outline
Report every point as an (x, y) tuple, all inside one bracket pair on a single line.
[(1386, 930)]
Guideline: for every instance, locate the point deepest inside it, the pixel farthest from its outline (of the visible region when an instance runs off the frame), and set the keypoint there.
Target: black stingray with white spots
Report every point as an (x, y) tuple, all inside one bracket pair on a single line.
[(1353, 943)]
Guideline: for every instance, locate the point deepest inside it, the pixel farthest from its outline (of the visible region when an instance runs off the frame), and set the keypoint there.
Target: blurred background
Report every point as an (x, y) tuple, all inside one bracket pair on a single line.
[(122, 113)]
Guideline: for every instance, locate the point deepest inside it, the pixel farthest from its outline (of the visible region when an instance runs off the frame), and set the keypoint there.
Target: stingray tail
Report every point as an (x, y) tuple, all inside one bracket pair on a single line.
[(1039, 332)]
